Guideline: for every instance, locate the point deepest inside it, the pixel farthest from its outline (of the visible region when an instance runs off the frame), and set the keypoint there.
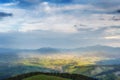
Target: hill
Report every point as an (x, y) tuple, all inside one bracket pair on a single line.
[(50, 76), (45, 77)]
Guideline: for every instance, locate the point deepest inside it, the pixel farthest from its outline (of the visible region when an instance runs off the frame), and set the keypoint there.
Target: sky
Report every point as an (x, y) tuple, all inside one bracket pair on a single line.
[(28, 24)]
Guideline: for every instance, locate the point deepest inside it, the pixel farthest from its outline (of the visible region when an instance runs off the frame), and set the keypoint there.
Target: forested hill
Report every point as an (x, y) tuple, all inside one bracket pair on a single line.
[(61, 75)]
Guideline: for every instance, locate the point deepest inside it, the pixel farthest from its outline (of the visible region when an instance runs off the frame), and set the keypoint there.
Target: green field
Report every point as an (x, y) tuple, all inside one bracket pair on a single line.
[(45, 77)]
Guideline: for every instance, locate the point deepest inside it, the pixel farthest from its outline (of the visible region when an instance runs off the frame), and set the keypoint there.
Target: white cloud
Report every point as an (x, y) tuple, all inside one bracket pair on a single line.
[(113, 37), (9, 4), (53, 23), (53, 18)]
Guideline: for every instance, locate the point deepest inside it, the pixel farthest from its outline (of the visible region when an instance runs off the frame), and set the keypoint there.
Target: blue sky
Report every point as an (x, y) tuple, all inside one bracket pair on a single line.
[(59, 23)]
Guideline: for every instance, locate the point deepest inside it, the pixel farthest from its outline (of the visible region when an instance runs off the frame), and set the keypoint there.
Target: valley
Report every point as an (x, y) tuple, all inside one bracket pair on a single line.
[(84, 62)]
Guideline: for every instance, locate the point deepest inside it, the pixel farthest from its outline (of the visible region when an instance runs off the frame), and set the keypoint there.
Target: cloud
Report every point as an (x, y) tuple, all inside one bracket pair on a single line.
[(46, 38), (4, 14), (9, 4), (37, 23), (113, 37), (59, 1), (51, 17), (37, 39), (118, 11), (108, 7), (51, 1), (32, 3)]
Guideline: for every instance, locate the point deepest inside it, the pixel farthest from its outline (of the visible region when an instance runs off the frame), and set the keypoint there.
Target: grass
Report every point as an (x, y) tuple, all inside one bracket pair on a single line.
[(45, 77)]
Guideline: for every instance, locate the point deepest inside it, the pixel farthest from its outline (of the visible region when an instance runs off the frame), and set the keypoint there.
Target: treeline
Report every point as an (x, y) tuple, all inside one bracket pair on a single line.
[(63, 75)]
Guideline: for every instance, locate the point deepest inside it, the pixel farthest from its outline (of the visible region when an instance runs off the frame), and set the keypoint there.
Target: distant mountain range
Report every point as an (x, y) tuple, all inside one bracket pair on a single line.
[(89, 49), (112, 53), (48, 50)]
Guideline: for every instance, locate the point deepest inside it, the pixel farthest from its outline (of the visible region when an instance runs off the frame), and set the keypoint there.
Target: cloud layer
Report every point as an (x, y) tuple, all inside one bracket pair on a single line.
[(83, 22)]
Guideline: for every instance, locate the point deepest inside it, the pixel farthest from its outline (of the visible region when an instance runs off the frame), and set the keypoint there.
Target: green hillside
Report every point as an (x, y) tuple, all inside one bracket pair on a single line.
[(50, 76), (45, 77)]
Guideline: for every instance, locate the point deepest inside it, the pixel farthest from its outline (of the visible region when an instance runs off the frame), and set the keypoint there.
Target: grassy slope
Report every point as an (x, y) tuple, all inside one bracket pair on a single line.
[(45, 77), (49, 76)]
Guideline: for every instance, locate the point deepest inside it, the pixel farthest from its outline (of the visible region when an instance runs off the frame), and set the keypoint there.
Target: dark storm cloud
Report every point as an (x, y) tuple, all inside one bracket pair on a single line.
[(118, 11), (4, 14)]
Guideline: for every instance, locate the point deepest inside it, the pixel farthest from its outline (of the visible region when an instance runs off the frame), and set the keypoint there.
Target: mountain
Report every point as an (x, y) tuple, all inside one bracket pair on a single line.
[(48, 50), (97, 48), (99, 51), (90, 51)]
